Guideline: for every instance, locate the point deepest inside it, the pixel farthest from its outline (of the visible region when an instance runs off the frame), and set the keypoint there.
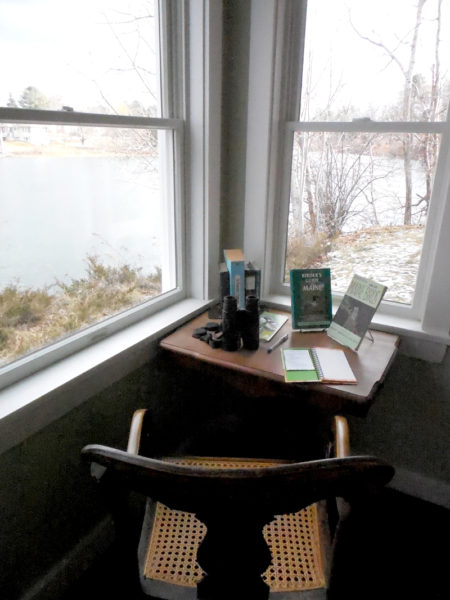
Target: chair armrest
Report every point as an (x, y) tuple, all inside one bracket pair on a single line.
[(134, 438), (341, 437)]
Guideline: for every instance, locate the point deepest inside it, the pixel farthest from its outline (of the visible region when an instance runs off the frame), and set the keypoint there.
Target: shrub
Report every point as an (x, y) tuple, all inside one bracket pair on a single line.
[(29, 318), (305, 251)]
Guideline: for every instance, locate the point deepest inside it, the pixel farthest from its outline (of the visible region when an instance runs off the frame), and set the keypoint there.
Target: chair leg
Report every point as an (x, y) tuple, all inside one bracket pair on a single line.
[(234, 555)]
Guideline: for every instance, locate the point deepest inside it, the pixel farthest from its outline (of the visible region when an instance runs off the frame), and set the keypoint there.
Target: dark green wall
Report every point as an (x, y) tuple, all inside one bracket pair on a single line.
[(48, 501)]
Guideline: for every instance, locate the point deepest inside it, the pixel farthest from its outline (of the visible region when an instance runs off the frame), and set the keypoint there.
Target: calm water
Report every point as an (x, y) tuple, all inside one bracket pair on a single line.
[(54, 212)]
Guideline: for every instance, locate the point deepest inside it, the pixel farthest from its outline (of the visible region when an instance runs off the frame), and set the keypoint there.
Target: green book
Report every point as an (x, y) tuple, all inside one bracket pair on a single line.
[(310, 298)]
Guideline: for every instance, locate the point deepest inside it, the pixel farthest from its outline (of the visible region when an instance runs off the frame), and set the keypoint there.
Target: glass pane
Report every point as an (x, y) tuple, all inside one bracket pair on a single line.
[(97, 56), (359, 203), (86, 228), (385, 60)]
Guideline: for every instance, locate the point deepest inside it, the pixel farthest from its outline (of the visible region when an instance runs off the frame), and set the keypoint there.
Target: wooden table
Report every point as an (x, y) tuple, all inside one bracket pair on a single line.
[(258, 372)]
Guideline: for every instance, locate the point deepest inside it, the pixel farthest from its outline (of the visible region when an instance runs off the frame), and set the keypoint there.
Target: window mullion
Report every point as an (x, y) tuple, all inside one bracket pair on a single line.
[(363, 125), (56, 117)]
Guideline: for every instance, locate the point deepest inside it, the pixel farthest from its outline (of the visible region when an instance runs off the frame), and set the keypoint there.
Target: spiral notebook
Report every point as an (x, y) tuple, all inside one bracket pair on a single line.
[(323, 365)]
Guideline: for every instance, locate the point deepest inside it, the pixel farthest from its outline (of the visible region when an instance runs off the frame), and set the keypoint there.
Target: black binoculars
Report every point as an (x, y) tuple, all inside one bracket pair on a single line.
[(240, 324)]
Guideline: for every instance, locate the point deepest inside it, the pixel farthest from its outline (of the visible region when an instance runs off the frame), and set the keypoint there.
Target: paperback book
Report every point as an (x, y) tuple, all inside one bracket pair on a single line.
[(252, 280), (321, 365), (252, 286), (234, 259), (355, 312), (269, 324), (310, 298)]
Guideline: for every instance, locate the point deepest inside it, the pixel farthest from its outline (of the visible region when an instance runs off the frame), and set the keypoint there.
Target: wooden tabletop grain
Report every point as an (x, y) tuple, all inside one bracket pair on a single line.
[(370, 363)]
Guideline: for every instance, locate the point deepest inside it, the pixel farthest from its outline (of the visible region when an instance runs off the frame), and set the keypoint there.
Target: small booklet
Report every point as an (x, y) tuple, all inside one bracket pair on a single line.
[(323, 365), (355, 312), (269, 324)]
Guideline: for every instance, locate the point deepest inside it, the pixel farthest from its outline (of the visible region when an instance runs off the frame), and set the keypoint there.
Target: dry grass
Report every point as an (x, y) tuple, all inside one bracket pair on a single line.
[(390, 255), (32, 318), (304, 252)]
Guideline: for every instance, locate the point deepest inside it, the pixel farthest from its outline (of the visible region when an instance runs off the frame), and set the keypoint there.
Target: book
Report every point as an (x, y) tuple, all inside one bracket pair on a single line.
[(310, 298), (252, 277), (355, 312), (252, 280), (224, 281), (215, 311), (321, 365), (234, 259), (269, 324)]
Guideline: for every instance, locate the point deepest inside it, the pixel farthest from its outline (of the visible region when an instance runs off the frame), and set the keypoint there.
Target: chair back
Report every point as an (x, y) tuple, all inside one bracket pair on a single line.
[(235, 504)]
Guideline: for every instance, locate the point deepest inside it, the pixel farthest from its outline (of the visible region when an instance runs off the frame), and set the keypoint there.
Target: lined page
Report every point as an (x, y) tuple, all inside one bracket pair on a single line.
[(334, 365), (297, 359)]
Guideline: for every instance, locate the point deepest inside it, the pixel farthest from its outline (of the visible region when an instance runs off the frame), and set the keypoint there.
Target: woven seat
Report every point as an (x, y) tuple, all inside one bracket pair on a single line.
[(240, 529), (169, 545)]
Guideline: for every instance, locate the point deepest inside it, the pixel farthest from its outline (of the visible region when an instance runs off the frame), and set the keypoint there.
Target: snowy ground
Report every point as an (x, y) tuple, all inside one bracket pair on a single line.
[(389, 255)]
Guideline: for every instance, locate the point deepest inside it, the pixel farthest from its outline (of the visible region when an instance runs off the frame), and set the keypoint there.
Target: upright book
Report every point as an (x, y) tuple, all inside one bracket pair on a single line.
[(321, 365), (252, 280), (355, 312), (252, 277), (234, 259), (310, 298)]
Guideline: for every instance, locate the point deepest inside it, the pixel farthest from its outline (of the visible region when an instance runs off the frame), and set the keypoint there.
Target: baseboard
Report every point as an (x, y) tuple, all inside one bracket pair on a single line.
[(64, 574), (422, 487)]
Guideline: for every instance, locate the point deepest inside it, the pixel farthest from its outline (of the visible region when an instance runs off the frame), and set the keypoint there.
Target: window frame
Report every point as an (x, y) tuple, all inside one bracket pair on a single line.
[(191, 55), (276, 47)]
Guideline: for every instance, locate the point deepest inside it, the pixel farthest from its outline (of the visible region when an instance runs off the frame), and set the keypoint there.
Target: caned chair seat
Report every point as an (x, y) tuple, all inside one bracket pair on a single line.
[(241, 529)]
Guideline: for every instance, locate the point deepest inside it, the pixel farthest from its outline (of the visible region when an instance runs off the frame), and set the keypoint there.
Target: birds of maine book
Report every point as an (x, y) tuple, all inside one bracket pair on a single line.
[(310, 298)]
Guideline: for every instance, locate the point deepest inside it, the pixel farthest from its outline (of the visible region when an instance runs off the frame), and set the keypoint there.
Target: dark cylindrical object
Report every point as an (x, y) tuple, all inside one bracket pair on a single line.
[(231, 338), (250, 325)]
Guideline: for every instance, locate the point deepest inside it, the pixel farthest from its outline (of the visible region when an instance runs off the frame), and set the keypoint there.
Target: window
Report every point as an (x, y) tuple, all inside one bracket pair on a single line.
[(356, 148), (91, 111)]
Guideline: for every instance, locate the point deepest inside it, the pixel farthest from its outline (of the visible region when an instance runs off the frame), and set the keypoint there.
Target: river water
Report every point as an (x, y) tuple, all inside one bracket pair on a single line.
[(54, 212)]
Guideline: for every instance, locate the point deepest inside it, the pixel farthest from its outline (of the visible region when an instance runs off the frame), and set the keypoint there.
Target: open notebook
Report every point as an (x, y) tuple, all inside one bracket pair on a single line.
[(324, 365)]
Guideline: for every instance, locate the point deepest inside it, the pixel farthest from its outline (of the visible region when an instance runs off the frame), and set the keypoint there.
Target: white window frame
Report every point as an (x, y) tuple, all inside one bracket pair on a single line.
[(277, 32), (190, 97)]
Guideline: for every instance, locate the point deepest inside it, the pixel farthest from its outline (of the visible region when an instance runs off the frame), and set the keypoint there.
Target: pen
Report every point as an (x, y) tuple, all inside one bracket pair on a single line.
[(276, 344)]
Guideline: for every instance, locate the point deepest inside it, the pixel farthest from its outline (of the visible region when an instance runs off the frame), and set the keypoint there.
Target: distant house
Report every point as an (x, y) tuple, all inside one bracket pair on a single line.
[(36, 135)]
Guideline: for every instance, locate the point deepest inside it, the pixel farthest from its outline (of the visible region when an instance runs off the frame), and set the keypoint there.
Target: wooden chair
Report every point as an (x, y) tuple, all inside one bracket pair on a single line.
[(235, 499)]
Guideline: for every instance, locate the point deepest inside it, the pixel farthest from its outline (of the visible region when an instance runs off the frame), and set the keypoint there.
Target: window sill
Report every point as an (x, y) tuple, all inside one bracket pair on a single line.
[(35, 401), (414, 341)]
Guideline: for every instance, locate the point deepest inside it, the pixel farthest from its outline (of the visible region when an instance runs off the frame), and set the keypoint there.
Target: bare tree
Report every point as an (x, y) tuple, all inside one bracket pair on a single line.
[(341, 179), (419, 100)]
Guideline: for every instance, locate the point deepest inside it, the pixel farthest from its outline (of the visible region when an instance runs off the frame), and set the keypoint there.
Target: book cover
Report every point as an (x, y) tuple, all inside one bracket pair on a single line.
[(310, 298), (252, 280), (215, 311), (269, 324), (355, 312), (234, 260), (322, 365), (252, 286)]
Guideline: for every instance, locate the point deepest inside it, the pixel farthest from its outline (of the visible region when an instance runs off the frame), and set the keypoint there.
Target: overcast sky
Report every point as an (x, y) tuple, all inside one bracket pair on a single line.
[(68, 49), (362, 72)]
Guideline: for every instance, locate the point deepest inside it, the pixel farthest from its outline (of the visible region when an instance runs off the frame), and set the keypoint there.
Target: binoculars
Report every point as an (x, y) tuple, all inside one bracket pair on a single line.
[(240, 324)]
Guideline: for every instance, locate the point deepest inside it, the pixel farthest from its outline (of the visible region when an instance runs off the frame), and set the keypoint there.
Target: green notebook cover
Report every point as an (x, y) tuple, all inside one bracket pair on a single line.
[(327, 365), (305, 369), (310, 298)]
